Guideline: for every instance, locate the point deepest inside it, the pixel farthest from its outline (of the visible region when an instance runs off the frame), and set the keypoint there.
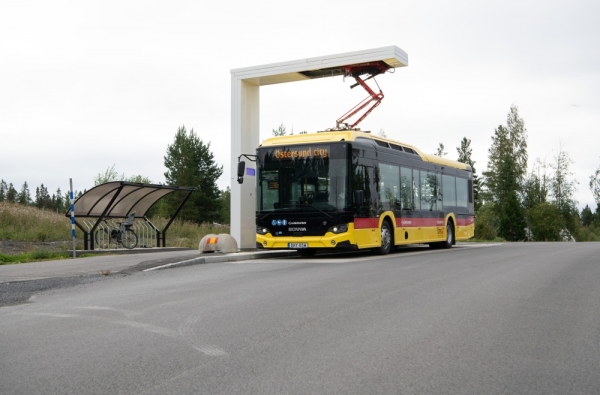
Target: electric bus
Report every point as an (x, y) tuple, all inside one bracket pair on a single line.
[(351, 190)]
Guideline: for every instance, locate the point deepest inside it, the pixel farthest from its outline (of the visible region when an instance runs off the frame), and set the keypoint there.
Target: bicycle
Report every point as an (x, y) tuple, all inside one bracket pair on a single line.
[(117, 235)]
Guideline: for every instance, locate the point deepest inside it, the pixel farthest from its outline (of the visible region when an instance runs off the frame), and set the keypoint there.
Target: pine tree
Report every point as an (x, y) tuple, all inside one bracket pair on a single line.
[(11, 194), (24, 196), (3, 190), (190, 163), (42, 197), (510, 213), (587, 217), (59, 204)]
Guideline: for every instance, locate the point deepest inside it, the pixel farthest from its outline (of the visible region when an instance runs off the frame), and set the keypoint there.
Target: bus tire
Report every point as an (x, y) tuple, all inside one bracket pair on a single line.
[(449, 236), (387, 239), (306, 252)]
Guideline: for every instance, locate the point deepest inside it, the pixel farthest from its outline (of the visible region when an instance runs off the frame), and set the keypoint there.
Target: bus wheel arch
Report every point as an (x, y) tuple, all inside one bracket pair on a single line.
[(450, 234), (387, 237)]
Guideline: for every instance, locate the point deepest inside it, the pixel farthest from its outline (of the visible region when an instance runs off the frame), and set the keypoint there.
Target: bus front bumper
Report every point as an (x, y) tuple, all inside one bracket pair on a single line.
[(329, 241)]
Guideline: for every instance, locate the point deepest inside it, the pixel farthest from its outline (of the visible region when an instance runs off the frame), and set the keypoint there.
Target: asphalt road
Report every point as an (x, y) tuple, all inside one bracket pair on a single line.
[(503, 319)]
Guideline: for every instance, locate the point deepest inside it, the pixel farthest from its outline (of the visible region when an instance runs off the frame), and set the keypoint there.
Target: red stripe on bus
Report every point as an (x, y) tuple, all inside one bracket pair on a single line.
[(364, 223), (418, 222), (465, 221)]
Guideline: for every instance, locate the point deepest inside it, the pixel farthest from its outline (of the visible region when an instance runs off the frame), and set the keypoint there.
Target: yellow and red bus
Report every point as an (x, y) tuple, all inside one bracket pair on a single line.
[(350, 190)]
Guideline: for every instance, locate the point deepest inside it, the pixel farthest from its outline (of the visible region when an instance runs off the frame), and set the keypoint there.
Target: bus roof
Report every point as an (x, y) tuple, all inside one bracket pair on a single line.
[(352, 135)]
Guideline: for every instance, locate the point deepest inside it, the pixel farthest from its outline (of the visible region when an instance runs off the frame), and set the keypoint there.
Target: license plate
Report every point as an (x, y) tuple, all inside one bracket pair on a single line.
[(297, 245)]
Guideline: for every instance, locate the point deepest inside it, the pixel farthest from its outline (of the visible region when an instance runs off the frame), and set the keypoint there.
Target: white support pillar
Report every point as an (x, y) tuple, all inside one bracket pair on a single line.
[(245, 119), (245, 110)]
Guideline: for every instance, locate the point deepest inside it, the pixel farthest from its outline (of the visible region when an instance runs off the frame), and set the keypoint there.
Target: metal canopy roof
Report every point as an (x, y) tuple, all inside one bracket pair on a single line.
[(117, 199)]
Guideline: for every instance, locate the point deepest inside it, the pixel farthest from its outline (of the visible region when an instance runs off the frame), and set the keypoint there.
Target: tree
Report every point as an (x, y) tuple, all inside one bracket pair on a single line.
[(509, 141), (440, 151), (510, 214), (280, 131), (595, 185), (190, 163), (464, 156), (3, 190), (11, 194), (42, 197), (60, 205), (535, 186), (563, 188), (109, 175), (139, 179), (587, 217), (486, 223), (546, 222), (24, 196), (226, 206)]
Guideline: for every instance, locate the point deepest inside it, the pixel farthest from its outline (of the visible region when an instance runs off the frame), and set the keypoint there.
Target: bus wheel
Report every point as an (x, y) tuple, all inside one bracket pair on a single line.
[(449, 236), (386, 239), (306, 252)]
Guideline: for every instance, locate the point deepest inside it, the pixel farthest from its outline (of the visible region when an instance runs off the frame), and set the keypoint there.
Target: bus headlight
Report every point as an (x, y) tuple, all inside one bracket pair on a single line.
[(338, 228), (262, 230)]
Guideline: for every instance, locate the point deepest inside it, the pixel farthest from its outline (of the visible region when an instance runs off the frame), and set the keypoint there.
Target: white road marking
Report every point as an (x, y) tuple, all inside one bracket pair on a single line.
[(210, 350)]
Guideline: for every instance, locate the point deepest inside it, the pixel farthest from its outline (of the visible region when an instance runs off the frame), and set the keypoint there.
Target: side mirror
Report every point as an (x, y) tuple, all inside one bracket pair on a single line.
[(240, 171), (358, 198)]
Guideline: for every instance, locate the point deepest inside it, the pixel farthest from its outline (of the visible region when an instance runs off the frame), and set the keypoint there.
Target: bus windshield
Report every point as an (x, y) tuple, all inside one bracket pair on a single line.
[(293, 177)]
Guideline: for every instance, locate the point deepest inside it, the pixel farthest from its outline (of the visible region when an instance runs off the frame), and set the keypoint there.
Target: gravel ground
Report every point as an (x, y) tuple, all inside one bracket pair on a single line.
[(17, 247)]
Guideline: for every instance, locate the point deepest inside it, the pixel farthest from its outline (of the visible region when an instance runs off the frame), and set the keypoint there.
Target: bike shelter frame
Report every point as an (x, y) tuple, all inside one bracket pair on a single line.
[(118, 199)]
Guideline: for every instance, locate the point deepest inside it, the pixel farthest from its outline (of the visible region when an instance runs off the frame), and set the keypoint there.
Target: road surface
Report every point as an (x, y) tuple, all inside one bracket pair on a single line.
[(477, 319)]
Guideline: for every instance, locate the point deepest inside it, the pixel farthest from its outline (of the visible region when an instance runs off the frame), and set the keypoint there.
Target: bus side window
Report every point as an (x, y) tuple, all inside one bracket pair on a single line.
[(388, 185), (406, 188), (462, 192), (449, 190), (415, 188), (428, 190)]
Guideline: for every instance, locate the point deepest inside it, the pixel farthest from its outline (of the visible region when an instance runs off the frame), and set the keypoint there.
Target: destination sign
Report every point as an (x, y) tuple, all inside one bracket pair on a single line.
[(310, 152)]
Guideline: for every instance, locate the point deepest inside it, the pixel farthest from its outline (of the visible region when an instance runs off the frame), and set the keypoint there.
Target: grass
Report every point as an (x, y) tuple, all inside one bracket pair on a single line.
[(33, 256), (21, 223), (32, 225)]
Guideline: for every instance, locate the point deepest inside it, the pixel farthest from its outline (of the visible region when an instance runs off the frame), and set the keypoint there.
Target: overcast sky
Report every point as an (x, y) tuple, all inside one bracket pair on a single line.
[(85, 85)]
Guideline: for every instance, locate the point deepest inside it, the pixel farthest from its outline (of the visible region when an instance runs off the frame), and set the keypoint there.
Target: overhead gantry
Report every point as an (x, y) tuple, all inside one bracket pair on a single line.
[(245, 113)]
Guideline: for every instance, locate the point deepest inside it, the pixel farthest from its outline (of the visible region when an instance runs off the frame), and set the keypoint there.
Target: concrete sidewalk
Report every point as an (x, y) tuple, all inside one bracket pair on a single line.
[(142, 261)]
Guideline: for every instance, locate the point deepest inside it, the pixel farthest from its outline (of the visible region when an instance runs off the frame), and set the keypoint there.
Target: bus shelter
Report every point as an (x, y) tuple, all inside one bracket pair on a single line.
[(117, 200)]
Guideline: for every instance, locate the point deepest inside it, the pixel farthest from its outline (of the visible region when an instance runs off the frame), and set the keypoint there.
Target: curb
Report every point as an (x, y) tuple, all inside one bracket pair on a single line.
[(221, 258)]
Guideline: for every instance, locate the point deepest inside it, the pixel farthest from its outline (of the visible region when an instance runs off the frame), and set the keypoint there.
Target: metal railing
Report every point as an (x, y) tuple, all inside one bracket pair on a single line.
[(144, 229)]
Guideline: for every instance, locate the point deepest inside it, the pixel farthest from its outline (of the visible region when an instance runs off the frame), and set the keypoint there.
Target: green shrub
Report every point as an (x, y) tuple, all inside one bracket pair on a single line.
[(486, 224)]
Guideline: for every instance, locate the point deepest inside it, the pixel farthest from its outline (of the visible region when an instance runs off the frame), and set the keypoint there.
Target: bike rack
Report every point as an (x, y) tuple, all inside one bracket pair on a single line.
[(147, 233)]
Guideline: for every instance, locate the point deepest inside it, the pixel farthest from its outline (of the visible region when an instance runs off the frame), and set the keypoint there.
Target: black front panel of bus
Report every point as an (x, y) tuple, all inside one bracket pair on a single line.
[(302, 190)]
